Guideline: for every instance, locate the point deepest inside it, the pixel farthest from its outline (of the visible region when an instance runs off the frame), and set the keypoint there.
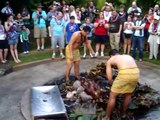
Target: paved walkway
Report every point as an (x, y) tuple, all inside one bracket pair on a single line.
[(14, 85)]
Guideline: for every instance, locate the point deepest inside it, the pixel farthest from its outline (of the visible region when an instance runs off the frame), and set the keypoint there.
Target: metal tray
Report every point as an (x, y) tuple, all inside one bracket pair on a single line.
[(46, 102)]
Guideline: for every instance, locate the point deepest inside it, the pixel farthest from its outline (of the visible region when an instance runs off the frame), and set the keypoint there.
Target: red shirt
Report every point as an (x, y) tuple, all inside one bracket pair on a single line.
[(101, 30), (150, 17)]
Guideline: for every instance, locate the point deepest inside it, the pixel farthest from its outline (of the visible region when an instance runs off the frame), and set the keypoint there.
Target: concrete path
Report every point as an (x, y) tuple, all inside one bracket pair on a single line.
[(14, 85)]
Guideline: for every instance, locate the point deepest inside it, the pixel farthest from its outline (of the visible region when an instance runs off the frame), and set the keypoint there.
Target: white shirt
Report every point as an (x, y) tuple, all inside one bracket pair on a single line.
[(137, 32), (128, 29)]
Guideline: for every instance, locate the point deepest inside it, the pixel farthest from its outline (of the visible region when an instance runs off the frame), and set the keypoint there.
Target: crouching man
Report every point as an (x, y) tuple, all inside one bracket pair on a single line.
[(125, 82)]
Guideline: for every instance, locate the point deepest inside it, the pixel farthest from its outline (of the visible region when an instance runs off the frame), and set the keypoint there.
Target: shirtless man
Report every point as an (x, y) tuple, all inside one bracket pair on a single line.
[(125, 82), (72, 50)]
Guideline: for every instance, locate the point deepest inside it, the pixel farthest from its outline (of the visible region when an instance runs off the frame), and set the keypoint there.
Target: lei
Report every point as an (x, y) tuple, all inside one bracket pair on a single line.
[(113, 19)]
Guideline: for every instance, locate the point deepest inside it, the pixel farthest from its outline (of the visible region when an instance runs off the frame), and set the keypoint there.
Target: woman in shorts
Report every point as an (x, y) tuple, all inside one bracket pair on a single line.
[(128, 31), (12, 37), (3, 44), (101, 32)]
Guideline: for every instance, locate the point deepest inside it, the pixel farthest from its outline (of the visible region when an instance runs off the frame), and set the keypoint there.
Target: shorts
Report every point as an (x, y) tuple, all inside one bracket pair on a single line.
[(3, 44), (13, 42), (127, 36), (89, 38), (57, 40), (76, 55), (126, 81), (102, 39), (40, 32)]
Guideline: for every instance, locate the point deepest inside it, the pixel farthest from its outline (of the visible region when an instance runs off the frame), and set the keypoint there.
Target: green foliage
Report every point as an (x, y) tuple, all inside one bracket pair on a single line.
[(100, 4)]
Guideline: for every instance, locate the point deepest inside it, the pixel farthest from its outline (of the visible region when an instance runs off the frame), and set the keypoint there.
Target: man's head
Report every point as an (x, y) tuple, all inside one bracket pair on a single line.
[(72, 19), (86, 30), (113, 52), (59, 15)]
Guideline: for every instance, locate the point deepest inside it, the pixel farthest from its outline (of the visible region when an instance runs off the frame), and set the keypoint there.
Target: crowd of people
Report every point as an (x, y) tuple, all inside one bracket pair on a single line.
[(71, 28), (125, 30)]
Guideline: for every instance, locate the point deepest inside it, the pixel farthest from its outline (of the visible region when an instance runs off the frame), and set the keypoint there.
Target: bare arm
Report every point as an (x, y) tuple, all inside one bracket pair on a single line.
[(71, 43), (109, 71), (7, 26)]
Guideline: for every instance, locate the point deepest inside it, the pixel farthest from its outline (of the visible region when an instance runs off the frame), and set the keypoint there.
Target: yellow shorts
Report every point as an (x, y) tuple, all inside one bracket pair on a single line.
[(126, 81), (76, 55)]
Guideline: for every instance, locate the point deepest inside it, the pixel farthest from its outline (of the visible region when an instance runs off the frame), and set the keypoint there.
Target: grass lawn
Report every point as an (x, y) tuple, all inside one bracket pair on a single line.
[(46, 54)]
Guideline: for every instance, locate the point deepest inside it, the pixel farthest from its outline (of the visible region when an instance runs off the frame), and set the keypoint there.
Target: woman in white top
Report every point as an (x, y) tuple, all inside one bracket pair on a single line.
[(128, 31), (3, 44), (153, 38)]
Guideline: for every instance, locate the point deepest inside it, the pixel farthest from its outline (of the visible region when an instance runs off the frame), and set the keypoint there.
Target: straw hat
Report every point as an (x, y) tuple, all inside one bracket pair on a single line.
[(39, 5)]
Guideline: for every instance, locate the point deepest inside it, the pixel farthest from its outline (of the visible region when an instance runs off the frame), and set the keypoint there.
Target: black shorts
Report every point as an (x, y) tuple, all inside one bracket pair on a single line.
[(102, 39), (3, 44), (89, 38), (127, 35)]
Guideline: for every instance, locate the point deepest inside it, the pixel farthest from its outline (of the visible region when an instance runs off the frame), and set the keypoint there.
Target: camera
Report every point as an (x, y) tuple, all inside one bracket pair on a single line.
[(40, 12), (67, 10)]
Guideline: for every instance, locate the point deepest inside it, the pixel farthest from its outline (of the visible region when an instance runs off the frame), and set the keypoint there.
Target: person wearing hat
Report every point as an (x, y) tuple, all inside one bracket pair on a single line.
[(39, 17), (138, 36), (153, 37)]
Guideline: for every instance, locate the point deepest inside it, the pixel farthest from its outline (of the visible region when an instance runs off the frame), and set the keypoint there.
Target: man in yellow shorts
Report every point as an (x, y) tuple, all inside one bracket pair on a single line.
[(125, 82), (72, 51)]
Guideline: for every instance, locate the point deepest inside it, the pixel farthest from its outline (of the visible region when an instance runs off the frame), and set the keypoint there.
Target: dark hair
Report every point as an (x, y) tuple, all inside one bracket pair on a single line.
[(72, 17), (87, 29), (113, 52)]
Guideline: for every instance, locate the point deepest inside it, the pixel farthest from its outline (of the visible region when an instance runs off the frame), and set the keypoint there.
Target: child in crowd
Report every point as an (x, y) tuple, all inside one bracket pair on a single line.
[(71, 28), (89, 37), (24, 37), (3, 44)]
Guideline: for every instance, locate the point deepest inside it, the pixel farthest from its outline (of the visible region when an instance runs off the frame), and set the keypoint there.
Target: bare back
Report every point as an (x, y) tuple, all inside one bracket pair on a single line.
[(122, 61)]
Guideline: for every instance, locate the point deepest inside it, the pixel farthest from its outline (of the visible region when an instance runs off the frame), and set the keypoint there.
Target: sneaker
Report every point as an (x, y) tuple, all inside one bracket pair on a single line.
[(84, 56), (102, 54), (97, 54), (91, 55), (53, 55), (62, 56), (140, 60), (38, 48), (25, 52), (42, 48)]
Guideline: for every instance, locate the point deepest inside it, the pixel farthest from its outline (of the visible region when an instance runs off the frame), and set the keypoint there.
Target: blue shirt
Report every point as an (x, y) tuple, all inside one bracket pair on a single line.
[(70, 29), (40, 22), (58, 27), (91, 26)]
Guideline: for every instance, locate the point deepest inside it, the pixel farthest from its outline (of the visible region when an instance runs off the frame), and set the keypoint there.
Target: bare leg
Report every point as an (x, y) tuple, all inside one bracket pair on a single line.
[(97, 47), (43, 42), (111, 105), (5, 53), (16, 53), (102, 47), (85, 48), (89, 44), (1, 56), (76, 69), (12, 53), (38, 43), (125, 46), (68, 70), (129, 46), (127, 101)]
